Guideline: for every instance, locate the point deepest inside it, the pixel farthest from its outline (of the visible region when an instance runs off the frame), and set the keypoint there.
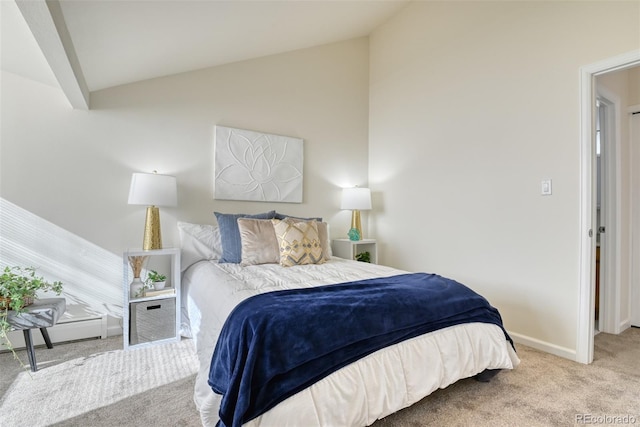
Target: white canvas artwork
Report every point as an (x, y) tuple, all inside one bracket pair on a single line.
[(257, 166)]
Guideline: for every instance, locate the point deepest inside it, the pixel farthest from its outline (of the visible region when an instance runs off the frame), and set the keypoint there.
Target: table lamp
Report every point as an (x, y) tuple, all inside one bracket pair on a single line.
[(153, 190), (356, 199)]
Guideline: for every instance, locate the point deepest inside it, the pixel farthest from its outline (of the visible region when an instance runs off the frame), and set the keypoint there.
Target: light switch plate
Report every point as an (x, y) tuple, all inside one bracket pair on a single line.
[(546, 187)]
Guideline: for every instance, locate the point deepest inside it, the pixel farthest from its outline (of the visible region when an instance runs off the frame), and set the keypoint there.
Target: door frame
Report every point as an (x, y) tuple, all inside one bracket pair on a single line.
[(586, 297)]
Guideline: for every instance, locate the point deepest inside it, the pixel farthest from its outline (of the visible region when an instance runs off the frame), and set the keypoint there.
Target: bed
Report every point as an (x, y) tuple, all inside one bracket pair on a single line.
[(369, 388)]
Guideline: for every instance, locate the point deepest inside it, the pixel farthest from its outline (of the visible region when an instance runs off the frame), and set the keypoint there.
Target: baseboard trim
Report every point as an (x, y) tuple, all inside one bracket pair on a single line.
[(624, 325), (113, 331), (547, 347)]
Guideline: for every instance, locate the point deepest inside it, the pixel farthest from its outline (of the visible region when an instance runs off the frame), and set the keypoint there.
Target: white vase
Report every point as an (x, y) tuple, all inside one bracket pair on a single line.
[(136, 288)]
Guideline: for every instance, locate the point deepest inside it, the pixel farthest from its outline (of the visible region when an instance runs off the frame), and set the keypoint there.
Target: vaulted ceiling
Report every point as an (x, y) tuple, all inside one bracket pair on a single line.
[(93, 45)]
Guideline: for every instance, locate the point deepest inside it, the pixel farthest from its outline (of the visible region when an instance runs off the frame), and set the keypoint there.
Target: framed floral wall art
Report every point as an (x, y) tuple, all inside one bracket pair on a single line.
[(256, 166)]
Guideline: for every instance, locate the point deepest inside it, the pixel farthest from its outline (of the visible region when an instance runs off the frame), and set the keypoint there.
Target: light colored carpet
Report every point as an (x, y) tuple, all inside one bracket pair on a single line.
[(94, 383), (544, 390)]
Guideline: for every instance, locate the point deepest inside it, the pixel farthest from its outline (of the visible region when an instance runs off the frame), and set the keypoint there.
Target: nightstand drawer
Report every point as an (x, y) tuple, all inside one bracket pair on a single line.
[(152, 320)]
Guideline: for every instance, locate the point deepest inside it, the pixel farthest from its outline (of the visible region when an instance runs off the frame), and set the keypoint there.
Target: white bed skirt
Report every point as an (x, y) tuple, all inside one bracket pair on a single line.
[(387, 380)]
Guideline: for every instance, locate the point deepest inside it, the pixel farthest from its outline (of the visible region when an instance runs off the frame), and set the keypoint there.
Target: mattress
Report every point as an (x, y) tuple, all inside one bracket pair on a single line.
[(358, 394)]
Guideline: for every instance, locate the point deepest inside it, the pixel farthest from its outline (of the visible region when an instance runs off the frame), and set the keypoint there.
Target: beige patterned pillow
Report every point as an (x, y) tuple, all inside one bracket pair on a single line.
[(298, 242), (258, 242), (323, 234)]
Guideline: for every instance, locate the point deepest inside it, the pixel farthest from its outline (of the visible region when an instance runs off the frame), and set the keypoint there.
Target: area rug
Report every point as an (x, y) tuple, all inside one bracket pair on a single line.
[(133, 387)]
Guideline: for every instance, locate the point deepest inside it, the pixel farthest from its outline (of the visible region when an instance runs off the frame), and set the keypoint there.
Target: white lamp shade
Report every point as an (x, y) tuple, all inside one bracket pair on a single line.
[(356, 198), (152, 189)]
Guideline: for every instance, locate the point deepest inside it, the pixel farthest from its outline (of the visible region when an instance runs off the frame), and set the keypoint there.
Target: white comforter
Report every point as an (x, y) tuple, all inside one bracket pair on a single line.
[(358, 394)]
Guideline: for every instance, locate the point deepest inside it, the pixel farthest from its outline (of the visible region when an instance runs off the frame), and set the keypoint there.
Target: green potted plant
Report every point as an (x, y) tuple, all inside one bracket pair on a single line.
[(363, 257), (18, 288), (156, 280)]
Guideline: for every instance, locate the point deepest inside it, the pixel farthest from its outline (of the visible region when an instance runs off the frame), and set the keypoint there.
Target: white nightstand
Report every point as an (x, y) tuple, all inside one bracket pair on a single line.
[(348, 249), (150, 320)]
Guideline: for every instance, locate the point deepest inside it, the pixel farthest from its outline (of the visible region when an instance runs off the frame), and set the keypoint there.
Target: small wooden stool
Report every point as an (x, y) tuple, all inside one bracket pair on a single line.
[(42, 314)]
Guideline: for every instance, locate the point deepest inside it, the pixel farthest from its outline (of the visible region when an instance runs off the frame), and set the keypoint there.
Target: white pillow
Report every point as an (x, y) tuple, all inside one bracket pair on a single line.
[(198, 242)]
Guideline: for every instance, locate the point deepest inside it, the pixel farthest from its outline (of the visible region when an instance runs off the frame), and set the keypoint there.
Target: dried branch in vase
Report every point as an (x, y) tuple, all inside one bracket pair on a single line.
[(136, 263)]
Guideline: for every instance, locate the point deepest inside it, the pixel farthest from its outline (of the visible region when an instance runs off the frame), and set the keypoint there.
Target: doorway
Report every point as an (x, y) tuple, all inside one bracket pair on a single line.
[(588, 215)]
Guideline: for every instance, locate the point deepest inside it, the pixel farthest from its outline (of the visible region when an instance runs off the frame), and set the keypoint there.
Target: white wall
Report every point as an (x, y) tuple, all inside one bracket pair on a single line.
[(472, 104), (73, 168)]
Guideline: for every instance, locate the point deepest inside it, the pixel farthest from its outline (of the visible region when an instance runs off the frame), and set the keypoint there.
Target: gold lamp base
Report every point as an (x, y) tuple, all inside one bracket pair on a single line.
[(355, 222), (152, 236)]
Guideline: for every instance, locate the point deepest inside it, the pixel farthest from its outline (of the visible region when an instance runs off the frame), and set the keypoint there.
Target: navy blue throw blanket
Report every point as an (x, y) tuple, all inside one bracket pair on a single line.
[(275, 344)]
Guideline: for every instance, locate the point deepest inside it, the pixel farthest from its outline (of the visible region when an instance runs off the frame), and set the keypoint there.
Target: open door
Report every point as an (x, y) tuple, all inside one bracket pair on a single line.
[(605, 118), (635, 203), (601, 169), (607, 221)]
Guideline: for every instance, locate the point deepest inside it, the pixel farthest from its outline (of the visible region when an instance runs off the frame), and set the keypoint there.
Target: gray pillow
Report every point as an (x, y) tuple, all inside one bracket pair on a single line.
[(281, 216), (230, 234)]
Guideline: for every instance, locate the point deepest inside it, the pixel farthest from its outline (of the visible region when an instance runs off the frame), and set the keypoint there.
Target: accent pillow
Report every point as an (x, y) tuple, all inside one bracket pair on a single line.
[(298, 242), (323, 233), (259, 242), (198, 242), (230, 235)]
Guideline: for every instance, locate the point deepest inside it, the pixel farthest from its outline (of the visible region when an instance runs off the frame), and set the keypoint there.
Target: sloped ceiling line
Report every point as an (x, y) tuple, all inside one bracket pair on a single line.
[(47, 24)]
